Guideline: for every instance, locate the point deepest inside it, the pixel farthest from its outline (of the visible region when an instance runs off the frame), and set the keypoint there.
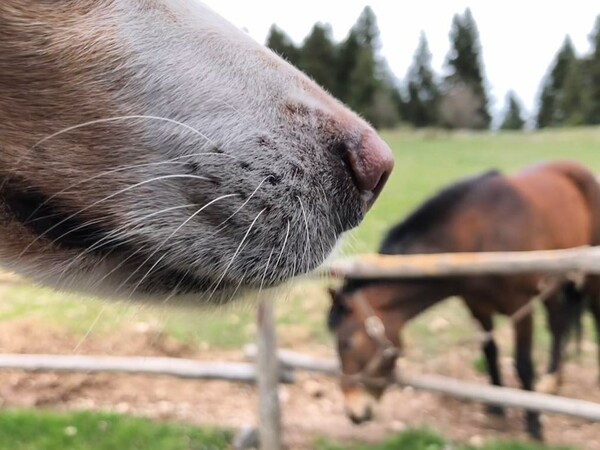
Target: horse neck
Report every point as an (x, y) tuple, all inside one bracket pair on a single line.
[(432, 292), (429, 291)]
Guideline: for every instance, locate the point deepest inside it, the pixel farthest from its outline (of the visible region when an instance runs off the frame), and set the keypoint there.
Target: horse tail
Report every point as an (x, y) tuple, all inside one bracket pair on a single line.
[(589, 186)]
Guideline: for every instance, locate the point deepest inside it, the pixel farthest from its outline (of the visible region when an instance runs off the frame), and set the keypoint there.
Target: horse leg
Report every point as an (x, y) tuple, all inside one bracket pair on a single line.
[(594, 307), (490, 352), (525, 370), (558, 323)]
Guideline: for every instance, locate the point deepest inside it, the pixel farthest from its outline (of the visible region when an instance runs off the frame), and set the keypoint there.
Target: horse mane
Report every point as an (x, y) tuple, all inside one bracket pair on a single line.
[(431, 213)]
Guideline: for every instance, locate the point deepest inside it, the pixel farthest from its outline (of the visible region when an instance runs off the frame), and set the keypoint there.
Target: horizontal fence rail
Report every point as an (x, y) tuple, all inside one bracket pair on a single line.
[(375, 266), (503, 396), (174, 367), (500, 396)]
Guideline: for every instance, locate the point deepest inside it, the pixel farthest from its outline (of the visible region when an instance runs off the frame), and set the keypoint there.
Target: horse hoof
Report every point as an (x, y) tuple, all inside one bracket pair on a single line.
[(549, 384), (536, 435), (494, 410), (534, 431)]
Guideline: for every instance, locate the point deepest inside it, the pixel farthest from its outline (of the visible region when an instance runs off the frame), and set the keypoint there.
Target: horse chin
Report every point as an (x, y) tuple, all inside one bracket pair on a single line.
[(360, 406)]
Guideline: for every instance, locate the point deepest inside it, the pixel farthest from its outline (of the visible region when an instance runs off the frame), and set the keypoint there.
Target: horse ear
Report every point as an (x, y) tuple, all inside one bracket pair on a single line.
[(337, 300), (337, 309), (333, 294)]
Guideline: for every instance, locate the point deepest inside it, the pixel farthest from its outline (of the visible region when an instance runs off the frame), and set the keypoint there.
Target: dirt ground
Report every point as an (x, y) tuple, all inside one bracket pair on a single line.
[(312, 407)]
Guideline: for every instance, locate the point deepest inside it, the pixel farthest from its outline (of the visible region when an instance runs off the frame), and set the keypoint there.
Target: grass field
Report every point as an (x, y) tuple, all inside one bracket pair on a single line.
[(23, 430), (424, 162), (428, 440)]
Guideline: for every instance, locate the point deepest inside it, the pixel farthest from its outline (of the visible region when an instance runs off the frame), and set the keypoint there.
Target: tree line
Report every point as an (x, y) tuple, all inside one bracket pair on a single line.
[(355, 72)]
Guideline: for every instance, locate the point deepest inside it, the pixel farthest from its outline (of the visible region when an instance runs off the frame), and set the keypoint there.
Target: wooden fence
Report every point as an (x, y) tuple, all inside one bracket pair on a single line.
[(493, 395), (274, 367), (578, 260)]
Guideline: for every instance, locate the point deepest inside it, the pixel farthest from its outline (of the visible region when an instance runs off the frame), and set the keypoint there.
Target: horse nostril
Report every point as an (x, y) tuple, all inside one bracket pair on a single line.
[(356, 420), (366, 416), (371, 165)]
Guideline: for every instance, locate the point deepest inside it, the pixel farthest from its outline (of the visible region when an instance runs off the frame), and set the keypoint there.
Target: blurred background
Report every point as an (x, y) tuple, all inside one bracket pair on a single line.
[(456, 88)]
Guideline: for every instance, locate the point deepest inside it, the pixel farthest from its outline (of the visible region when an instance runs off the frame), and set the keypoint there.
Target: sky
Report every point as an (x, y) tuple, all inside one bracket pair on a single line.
[(519, 38)]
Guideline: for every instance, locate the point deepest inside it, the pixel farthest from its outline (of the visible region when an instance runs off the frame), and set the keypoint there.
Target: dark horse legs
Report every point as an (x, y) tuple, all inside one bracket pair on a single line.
[(490, 352), (525, 370), (558, 323), (594, 307), (592, 291)]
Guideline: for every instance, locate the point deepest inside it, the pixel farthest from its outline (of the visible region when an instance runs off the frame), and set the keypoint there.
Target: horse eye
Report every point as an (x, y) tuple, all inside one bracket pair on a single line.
[(345, 345)]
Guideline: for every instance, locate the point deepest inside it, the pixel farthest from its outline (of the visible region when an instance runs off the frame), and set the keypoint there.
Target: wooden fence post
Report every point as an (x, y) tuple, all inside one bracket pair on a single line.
[(268, 377)]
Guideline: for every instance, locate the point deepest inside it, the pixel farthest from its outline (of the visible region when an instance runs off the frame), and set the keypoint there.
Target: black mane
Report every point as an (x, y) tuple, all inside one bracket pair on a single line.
[(432, 212)]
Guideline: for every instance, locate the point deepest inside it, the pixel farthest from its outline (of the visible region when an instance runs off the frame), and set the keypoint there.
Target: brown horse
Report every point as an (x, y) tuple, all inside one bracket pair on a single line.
[(549, 206)]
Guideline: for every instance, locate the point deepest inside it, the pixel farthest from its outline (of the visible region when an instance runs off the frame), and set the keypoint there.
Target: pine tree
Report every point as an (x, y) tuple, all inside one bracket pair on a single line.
[(348, 52), (465, 64), (369, 89), (573, 103), (366, 30), (593, 77), (318, 56), (280, 43), (550, 113), (363, 82), (513, 118), (421, 108), (361, 45)]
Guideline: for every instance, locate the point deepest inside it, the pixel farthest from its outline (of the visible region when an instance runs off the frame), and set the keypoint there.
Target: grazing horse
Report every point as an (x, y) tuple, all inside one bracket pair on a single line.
[(548, 206), (149, 147)]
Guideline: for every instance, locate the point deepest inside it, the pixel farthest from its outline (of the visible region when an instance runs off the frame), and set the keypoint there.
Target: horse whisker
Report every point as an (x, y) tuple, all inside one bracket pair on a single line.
[(219, 228), (307, 245), (96, 203), (287, 234), (121, 118), (173, 161), (237, 251), (167, 239), (90, 329)]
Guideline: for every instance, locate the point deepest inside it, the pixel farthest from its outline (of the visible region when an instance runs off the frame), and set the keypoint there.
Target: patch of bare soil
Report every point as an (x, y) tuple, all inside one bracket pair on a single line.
[(312, 407)]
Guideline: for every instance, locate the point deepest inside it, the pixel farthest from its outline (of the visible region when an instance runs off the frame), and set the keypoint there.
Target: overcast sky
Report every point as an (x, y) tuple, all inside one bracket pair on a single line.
[(519, 38)]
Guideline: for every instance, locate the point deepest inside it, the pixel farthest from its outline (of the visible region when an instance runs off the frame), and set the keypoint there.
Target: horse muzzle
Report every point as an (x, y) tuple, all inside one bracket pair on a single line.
[(360, 406)]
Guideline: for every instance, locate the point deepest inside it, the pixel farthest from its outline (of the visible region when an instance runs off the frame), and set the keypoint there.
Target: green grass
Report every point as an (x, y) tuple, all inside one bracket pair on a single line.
[(25, 430), (40, 430), (428, 440), (300, 314)]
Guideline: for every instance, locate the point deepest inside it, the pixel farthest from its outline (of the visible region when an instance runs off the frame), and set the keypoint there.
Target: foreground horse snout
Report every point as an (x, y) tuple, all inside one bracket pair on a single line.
[(371, 164), (154, 150)]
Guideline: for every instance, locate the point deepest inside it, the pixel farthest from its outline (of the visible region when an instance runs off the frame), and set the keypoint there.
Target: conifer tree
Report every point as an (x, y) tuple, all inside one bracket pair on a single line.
[(550, 113), (280, 43), (318, 56), (593, 77), (513, 117), (348, 52), (421, 108), (466, 66), (367, 30), (369, 90), (574, 101)]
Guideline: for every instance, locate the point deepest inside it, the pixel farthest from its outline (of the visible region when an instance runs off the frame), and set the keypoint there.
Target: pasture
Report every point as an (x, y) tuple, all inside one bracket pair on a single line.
[(36, 320)]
